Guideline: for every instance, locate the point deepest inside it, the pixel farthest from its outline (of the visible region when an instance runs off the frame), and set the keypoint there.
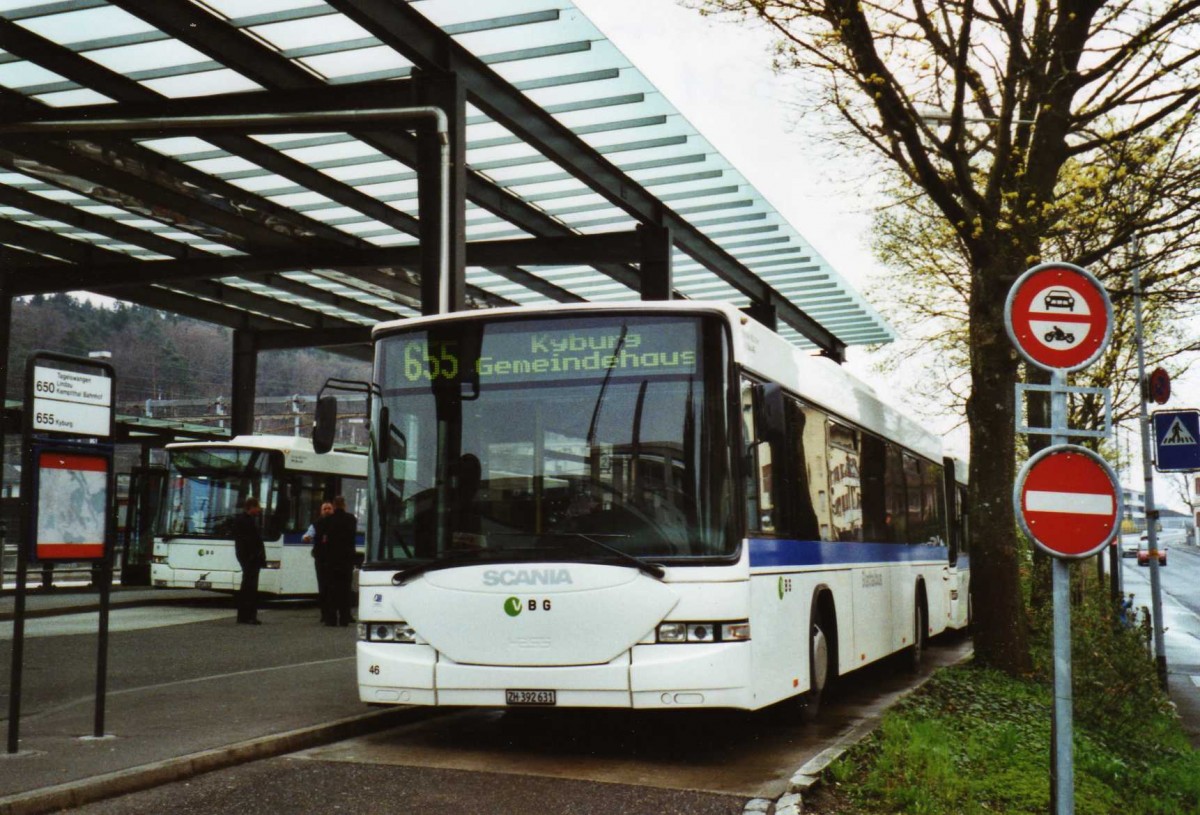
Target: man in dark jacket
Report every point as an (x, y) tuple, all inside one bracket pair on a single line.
[(336, 552), (252, 556)]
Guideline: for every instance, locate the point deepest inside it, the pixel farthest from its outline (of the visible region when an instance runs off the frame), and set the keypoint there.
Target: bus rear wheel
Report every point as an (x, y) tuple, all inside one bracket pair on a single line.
[(916, 651), (818, 671)]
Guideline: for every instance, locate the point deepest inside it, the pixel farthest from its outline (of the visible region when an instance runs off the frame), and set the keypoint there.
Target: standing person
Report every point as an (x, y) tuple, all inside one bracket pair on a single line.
[(336, 533), (318, 553), (252, 556)]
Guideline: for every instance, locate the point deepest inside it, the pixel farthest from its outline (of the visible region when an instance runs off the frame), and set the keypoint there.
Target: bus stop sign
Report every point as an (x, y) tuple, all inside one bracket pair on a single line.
[(1068, 502), (1177, 441), (1058, 316)]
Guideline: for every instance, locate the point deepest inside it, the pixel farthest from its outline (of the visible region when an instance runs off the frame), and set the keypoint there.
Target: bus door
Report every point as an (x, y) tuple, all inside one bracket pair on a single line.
[(145, 495)]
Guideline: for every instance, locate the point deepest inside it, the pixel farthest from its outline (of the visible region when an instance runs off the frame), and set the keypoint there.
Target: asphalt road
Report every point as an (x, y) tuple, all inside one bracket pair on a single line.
[(185, 678), (554, 763)]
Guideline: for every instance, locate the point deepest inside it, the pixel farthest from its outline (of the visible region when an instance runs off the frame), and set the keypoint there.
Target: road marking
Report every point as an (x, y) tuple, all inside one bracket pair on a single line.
[(248, 672)]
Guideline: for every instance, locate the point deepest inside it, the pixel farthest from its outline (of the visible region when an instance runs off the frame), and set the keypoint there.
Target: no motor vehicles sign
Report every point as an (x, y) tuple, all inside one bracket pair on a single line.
[(1058, 316), (1067, 501)]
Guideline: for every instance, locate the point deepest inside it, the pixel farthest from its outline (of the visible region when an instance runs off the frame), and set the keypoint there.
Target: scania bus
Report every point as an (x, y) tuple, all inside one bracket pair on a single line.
[(651, 505), (207, 484)]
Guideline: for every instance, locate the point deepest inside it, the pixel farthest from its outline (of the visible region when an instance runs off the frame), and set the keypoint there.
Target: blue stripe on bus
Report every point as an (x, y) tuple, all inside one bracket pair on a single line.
[(297, 539), (772, 552)]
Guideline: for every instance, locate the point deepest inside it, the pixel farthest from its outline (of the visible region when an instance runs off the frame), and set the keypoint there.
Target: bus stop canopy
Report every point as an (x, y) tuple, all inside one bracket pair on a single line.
[(573, 179)]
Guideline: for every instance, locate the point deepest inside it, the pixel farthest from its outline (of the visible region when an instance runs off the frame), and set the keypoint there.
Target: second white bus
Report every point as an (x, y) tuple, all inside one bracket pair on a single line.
[(207, 484)]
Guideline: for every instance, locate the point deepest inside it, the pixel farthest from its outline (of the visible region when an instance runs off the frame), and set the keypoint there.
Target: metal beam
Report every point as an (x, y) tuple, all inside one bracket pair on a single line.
[(408, 31), (234, 48), (578, 249)]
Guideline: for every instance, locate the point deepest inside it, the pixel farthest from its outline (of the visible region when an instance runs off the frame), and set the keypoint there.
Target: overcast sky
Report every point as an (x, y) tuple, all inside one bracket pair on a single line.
[(718, 74)]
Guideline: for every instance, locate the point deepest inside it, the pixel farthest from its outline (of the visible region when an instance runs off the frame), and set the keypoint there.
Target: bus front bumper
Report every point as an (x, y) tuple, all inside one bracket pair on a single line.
[(165, 576), (649, 676)]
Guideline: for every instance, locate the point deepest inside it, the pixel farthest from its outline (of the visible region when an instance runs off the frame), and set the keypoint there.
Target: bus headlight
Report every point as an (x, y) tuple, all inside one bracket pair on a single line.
[(736, 631), (158, 559), (386, 632), (271, 564)]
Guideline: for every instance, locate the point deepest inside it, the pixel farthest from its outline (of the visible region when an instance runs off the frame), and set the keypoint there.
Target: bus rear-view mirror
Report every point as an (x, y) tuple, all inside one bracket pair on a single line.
[(324, 424)]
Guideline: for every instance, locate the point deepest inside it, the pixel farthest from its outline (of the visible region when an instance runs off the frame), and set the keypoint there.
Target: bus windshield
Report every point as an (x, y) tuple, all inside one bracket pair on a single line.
[(206, 488), (561, 438)]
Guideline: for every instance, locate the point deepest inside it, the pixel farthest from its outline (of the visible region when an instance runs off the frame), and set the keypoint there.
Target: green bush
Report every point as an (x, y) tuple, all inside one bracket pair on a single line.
[(976, 741)]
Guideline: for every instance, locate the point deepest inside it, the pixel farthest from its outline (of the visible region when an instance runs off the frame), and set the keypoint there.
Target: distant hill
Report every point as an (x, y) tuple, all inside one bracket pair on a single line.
[(158, 355)]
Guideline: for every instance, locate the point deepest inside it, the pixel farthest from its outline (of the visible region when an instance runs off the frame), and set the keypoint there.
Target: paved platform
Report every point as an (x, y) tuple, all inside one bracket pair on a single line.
[(189, 690)]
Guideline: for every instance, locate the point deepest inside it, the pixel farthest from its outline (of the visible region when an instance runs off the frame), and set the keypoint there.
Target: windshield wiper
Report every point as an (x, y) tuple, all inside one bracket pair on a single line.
[(444, 561), (652, 569)]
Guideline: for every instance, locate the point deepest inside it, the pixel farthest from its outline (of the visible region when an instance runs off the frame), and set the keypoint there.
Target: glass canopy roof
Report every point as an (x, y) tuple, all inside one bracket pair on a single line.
[(81, 204)]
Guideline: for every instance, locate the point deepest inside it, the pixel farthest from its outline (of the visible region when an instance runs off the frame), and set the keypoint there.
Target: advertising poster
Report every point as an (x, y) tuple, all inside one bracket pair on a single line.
[(72, 499)]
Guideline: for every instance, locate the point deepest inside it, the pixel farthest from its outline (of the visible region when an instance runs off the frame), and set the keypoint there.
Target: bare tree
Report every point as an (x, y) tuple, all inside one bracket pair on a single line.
[(1016, 123)]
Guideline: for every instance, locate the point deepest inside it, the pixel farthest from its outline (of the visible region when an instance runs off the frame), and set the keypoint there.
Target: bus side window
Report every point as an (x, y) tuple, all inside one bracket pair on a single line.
[(961, 520), (873, 470), (800, 494), (355, 492), (895, 497), (935, 510), (761, 513), (845, 499)]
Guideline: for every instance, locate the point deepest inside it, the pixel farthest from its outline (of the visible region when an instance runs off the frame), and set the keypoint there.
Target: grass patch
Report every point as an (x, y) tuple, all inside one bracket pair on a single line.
[(974, 741)]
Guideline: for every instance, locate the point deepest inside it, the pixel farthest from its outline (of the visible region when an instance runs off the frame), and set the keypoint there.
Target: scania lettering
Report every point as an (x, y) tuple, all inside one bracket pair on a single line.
[(207, 484), (649, 505), (525, 577)]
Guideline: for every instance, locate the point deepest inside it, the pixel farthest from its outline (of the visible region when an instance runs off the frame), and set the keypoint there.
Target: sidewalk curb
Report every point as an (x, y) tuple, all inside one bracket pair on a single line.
[(85, 791), (93, 608), (808, 776)]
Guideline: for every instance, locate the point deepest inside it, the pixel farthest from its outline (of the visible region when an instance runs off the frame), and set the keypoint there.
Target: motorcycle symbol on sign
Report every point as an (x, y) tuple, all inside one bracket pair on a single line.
[(1058, 335)]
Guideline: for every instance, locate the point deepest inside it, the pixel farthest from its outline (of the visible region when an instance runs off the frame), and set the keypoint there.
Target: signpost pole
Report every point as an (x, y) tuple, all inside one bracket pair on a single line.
[(1067, 498), (24, 544), (1160, 653), (1064, 756)]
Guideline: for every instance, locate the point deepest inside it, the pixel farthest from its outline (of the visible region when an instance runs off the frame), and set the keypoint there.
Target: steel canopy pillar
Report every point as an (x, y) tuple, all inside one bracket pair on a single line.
[(656, 261), (442, 201), (5, 338), (245, 381)]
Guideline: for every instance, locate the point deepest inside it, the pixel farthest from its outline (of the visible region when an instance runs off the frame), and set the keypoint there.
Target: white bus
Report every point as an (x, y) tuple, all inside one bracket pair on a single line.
[(207, 484), (654, 505)]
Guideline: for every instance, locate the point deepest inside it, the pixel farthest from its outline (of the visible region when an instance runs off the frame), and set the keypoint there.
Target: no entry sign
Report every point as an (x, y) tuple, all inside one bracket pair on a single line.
[(1067, 501), (1058, 316)]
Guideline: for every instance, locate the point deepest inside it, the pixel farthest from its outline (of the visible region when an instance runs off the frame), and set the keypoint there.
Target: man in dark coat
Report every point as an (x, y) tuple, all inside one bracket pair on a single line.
[(336, 552), (252, 556), (318, 553)]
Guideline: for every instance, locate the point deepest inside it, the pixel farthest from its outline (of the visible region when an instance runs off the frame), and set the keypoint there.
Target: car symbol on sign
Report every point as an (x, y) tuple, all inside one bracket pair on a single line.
[(1059, 299)]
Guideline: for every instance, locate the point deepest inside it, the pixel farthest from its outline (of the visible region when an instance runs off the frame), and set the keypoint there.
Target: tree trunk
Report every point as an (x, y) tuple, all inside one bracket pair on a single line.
[(1001, 639)]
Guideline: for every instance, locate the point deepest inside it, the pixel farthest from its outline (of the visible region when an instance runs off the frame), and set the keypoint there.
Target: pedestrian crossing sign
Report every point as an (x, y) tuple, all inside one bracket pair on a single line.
[(1177, 441)]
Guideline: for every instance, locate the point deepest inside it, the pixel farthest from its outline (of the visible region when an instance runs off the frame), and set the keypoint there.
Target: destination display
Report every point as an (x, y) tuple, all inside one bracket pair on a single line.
[(525, 353), (70, 402)]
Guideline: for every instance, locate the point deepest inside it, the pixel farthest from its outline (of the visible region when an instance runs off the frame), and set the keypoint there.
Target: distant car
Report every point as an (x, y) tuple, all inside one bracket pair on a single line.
[(1143, 553), (1129, 547)]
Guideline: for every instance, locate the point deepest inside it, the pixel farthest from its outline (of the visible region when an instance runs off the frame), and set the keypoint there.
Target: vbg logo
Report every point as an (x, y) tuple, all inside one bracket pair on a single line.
[(512, 606)]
